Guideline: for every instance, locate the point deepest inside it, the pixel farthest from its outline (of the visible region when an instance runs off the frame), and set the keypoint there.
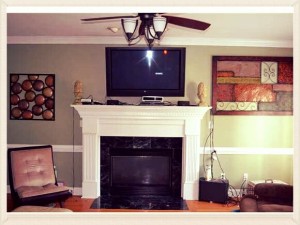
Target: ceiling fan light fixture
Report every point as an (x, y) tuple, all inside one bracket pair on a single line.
[(129, 27), (151, 26), (159, 25), (149, 35), (149, 32)]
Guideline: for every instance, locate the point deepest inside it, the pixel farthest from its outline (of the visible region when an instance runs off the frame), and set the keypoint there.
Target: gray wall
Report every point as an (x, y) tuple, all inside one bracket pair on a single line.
[(87, 63), (64, 165)]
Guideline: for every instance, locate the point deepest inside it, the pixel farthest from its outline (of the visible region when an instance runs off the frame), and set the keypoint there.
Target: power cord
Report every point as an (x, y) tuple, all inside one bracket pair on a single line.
[(243, 188), (234, 199), (73, 153), (213, 153)]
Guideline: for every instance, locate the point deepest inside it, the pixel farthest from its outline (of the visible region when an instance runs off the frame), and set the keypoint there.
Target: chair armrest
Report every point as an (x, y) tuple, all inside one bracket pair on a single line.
[(277, 193), (248, 203)]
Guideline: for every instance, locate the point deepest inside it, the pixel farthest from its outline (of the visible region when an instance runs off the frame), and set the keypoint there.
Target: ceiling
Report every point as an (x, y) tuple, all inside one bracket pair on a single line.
[(247, 29)]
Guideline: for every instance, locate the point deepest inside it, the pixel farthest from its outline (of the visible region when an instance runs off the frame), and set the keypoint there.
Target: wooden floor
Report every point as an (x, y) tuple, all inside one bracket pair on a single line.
[(78, 204)]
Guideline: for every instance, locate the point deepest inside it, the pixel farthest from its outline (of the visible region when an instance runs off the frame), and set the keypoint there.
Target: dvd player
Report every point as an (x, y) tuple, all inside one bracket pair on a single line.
[(152, 99), (152, 103)]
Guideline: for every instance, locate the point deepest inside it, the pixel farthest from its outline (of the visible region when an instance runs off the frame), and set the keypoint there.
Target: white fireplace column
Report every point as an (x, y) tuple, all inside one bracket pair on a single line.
[(141, 121), (191, 159)]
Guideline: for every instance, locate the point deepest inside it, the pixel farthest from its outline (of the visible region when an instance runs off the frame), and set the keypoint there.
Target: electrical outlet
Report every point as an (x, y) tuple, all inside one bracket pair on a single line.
[(223, 176), (245, 176)]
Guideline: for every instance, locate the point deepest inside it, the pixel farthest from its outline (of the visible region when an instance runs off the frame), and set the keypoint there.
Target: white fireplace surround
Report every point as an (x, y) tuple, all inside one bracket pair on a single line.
[(141, 121)]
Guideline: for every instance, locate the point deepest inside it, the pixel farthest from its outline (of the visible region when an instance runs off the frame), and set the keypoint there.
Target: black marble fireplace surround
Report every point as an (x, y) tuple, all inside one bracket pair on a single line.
[(163, 149), (161, 189)]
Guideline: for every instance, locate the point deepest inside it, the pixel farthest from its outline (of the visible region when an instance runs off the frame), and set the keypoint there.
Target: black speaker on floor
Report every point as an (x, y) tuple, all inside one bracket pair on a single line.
[(215, 190)]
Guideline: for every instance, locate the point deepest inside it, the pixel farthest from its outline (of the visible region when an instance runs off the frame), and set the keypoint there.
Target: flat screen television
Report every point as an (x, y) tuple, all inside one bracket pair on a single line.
[(136, 71)]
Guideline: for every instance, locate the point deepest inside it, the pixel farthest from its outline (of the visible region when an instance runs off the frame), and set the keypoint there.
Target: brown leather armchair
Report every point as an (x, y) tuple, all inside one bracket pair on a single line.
[(32, 177), (268, 197)]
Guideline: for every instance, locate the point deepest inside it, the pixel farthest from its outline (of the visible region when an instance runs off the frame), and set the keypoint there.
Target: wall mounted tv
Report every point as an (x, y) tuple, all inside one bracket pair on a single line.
[(145, 72)]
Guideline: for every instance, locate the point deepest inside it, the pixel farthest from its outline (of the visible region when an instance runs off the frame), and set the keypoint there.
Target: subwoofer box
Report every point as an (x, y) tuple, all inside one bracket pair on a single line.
[(214, 190)]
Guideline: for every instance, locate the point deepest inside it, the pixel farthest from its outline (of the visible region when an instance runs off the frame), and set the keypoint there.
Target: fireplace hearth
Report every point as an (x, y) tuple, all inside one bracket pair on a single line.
[(141, 203), (141, 166)]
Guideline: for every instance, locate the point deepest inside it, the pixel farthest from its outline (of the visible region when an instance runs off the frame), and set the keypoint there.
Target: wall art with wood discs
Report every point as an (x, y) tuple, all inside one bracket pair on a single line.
[(32, 97)]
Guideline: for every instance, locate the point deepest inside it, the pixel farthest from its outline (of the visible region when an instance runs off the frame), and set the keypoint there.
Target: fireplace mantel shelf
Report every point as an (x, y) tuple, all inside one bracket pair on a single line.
[(128, 110), (140, 121)]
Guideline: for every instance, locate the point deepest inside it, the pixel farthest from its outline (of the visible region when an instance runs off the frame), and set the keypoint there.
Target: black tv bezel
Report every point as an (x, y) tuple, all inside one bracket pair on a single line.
[(110, 92)]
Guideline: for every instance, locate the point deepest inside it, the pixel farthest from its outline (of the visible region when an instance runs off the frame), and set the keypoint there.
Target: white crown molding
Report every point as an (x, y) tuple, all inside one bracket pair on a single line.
[(147, 3), (167, 41), (173, 9)]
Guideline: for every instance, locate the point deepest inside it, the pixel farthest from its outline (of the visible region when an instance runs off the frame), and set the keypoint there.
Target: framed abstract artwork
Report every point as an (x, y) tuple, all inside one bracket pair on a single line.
[(248, 85), (32, 97)]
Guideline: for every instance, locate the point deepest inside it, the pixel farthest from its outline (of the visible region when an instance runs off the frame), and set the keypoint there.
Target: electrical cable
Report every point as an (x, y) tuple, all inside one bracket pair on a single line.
[(236, 194), (219, 162), (73, 155), (203, 158), (213, 147), (243, 188)]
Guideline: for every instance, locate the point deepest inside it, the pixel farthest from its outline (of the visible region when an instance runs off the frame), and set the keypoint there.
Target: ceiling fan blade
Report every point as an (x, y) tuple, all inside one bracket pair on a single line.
[(190, 23), (107, 18)]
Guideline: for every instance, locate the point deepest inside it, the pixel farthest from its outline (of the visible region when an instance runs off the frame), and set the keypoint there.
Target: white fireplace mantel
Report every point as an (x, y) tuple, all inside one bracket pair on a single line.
[(141, 121)]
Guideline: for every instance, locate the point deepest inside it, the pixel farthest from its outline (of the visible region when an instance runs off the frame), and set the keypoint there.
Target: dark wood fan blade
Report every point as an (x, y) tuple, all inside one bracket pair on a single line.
[(190, 23), (108, 18)]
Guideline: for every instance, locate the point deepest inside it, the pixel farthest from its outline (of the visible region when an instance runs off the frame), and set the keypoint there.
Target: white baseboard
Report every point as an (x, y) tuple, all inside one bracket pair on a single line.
[(76, 191)]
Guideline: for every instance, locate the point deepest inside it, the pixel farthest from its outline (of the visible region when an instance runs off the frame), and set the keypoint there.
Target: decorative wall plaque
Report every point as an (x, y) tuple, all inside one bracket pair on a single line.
[(246, 85), (32, 97)]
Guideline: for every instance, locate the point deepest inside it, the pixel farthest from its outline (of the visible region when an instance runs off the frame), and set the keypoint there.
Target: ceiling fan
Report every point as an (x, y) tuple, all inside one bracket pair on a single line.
[(151, 25)]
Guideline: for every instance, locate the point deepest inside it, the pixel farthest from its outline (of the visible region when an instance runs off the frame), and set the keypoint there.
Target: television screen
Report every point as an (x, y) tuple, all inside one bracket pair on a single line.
[(145, 72)]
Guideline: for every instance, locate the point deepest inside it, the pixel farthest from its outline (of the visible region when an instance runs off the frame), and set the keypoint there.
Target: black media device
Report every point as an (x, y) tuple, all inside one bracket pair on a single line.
[(136, 71), (183, 103), (214, 190), (113, 102)]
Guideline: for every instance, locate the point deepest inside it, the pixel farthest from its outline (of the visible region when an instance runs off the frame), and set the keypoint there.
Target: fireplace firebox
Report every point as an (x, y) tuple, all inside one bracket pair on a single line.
[(140, 172), (142, 166)]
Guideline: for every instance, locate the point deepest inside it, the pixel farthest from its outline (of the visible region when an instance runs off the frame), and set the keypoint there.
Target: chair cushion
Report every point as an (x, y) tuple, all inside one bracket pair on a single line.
[(31, 208), (32, 167), (29, 191)]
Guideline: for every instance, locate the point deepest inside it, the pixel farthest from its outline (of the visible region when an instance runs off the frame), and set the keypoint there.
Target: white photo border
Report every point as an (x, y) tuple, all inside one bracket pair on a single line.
[(147, 217)]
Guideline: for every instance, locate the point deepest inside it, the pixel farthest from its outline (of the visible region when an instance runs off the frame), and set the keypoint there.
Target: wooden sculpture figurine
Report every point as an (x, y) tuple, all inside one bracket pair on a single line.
[(201, 94), (78, 91)]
